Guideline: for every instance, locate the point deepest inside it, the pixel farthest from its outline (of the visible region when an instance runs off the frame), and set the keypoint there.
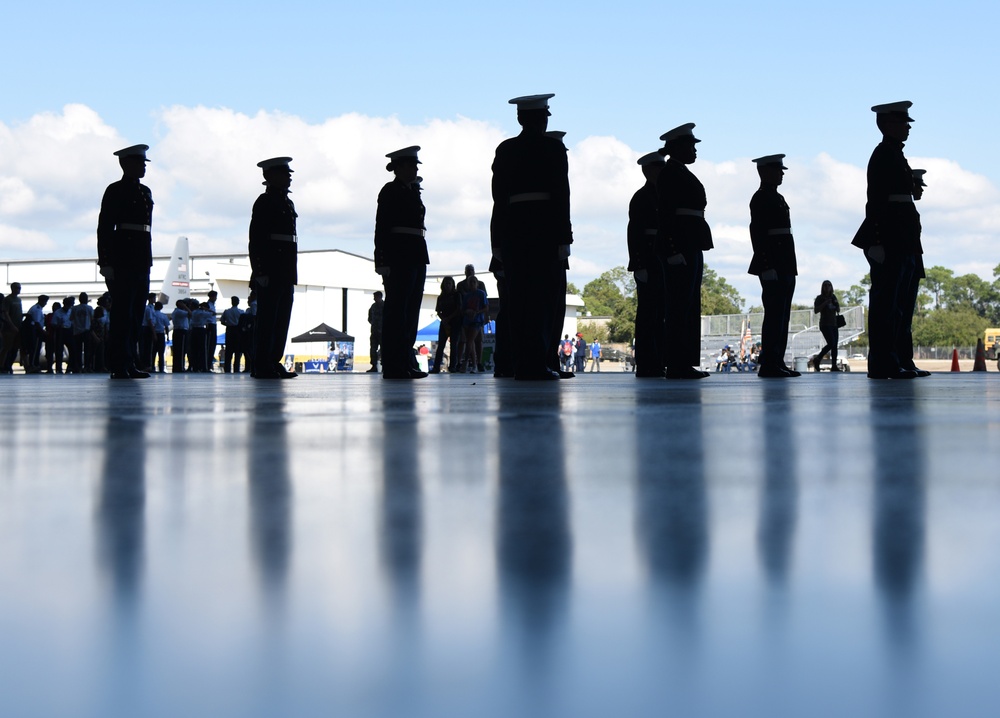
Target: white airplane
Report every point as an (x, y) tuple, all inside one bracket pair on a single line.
[(177, 282)]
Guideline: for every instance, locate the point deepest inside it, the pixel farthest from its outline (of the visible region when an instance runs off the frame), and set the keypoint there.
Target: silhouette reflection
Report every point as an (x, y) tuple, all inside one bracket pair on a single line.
[(672, 508), (779, 498), (270, 492), (400, 517), (533, 539), (121, 504), (899, 508)]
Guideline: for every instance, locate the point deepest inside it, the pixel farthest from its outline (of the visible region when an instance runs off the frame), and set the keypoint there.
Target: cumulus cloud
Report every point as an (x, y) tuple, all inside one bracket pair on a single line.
[(204, 180)]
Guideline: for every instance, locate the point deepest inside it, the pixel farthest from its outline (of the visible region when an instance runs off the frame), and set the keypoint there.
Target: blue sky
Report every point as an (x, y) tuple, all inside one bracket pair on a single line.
[(757, 78)]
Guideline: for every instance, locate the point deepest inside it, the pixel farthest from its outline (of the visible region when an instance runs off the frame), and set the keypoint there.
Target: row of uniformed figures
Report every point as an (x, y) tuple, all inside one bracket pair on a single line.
[(668, 236), (531, 236)]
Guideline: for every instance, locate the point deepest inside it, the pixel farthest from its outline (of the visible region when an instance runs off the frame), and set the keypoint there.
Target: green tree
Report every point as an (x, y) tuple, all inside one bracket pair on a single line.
[(949, 328), (718, 296), (592, 331), (571, 288)]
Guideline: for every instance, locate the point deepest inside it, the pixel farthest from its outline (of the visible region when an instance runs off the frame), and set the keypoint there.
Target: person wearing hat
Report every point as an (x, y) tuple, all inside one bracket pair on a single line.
[(125, 254), (274, 268), (531, 235), (648, 271), (890, 238), (401, 258), (683, 238), (774, 263)]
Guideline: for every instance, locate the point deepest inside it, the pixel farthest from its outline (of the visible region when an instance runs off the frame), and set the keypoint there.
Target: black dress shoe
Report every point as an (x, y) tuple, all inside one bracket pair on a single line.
[(137, 374), (918, 372), (686, 372), (503, 375), (260, 374), (284, 373), (417, 374), (643, 374), (120, 375), (566, 375)]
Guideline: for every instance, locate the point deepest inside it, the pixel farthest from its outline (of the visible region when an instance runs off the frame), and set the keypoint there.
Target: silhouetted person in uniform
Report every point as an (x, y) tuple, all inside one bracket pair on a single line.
[(401, 258), (375, 336), (274, 263), (124, 253), (890, 237), (234, 349), (774, 263), (557, 301), (532, 233), (648, 271), (684, 236)]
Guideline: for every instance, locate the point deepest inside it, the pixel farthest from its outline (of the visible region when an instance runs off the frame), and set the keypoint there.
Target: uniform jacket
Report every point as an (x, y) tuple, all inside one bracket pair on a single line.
[(678, 189), (890, 222), (771, 233), (399, 207), (528, 164), (126, 201), (642, 227), (273, 216)]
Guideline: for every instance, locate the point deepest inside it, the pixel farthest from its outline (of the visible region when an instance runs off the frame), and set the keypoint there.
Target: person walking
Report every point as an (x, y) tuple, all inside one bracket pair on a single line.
[(828, 308)]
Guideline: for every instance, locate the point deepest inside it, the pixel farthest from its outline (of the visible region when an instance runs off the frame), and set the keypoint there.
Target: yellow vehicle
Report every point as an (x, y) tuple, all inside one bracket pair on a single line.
[(991, 340)]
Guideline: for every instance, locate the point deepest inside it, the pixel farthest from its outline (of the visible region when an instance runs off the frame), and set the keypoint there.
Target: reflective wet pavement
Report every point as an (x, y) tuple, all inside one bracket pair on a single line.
[(461, 546)]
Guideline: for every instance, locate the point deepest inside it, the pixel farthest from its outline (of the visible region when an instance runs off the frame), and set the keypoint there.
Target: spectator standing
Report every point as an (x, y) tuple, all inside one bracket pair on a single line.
[(181, 319), (81, 317), (53, 358), (581, 353), (474, 306), (449, 311), (13, 313), (375, 338), (234, 351), (161, 323), (595, 356), (34, 333)]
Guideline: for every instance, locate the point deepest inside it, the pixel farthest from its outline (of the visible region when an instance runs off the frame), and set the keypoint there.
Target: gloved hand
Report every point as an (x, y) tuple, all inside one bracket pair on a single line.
[(876, 253), (564, 251), (676, 259), (383, 271), (261, 281), (108, 273), (769, 275), (641, 275)]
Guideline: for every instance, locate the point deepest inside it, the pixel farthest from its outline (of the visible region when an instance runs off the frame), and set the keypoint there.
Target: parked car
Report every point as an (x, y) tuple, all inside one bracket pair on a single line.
[(612, 354)]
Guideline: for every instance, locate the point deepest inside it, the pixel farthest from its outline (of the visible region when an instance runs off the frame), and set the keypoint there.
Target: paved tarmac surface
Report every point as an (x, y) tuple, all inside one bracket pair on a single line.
[(462, 546)]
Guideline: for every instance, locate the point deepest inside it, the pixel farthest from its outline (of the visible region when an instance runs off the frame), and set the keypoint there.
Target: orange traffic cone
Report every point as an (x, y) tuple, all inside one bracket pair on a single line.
[(980, 364), (954, 361)]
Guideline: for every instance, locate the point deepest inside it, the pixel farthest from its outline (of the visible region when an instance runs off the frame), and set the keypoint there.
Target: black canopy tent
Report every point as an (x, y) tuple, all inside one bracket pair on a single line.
[(323, 333)]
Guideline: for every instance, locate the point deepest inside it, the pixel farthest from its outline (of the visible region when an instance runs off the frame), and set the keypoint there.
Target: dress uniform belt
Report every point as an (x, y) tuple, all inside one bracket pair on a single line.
[(134, 227), (408, 230), (650, 232), (529, 197), (285, 237), (900, 198), (780, 230), (691, 212)]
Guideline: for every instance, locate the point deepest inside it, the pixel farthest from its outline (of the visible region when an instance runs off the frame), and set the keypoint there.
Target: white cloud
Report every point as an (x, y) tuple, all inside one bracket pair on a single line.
[(204, 180)]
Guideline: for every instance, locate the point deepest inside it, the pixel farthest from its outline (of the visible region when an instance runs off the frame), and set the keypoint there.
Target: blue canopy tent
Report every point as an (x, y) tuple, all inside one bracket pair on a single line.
[(430, 332)]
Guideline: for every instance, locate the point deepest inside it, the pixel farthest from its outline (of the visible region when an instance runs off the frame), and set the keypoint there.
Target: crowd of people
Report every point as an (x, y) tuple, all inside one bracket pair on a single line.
[(71, 336)]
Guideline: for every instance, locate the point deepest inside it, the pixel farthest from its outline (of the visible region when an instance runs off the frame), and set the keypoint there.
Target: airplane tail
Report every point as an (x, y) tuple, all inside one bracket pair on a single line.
[(177, 282)]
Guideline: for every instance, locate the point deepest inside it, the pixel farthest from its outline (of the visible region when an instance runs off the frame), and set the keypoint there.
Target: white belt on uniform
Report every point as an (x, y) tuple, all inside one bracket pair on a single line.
[(780, 230), (529, 197), (651, 232), (134, 227), (691, 212), (900, 198), (285, 237), (408, 230)]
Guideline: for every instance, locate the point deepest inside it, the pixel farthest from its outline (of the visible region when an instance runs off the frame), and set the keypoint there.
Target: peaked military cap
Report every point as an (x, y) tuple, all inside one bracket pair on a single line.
[(133, 151), (532, 102), (406, 153), (652, 158), (771, 160), (918, 177), (902, 107), (275, 162), (680, 133)]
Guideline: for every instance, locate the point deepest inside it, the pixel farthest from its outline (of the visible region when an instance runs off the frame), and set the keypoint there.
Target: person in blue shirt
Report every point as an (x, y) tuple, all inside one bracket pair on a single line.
[(161, 323), (234, 346), (595, 356), (32, 334)]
